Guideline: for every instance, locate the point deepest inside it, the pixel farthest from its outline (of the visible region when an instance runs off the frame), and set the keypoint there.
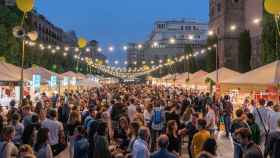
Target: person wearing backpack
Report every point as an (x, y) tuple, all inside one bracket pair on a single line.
[(157, 122), (272, 147)]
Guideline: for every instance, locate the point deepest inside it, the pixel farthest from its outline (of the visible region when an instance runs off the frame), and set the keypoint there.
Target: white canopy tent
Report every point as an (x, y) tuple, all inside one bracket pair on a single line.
[(223, 74), (88, 83)]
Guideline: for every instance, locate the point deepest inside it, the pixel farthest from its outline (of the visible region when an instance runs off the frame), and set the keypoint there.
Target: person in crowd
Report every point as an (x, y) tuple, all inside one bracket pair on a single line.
[(42, 148), (273, 143), (131, 109), (140, 146), (81, 144), (211, 119), (29, 133), (209, 149), (200, 137), (261, 115), (121, 133), (191, 130), (101, 145), (237, 123), (26, 151), (56, 132), (157, 122), (90, 118), (73, 122), (7, 147), (227, 114), (148, 114), (27, 115), (163, 142), (134, 127), (273, 119), (255, 129), (250, 149), (174, 136), (19, 128)]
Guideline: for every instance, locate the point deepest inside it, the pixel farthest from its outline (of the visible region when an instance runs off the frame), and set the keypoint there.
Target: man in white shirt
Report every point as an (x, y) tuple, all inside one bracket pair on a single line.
[(273, 119), (131, 110), (56, 132), (140, 146), (262, 118)]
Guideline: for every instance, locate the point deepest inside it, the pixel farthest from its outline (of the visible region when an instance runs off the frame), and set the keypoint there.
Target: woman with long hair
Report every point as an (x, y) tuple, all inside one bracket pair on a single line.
[(121, 133), (74, 121), (42, 148), (174, 137)]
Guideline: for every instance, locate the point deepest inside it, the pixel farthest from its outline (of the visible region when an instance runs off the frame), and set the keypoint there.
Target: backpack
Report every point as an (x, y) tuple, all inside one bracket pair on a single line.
[(157, 116)]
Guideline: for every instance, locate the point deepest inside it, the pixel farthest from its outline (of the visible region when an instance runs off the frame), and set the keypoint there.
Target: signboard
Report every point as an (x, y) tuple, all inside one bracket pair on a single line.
[(53, 81), (36, 82)]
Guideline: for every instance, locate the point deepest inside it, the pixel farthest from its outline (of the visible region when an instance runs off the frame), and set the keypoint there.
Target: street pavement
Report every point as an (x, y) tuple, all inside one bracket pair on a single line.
[(225, 148)]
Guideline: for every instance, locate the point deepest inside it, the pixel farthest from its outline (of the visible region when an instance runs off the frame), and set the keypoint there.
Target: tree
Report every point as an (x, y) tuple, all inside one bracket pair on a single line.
[(244, 51), (210, 57), (191, 60), (270, 39)]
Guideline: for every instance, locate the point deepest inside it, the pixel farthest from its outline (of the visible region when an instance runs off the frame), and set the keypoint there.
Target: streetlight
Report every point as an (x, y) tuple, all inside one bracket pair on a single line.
[(99, 49), (140, 46), (232, 27), (20, 33), (211, 33), (111, 48), (155, 44), (172, 40), (257, 21), (125, 48)]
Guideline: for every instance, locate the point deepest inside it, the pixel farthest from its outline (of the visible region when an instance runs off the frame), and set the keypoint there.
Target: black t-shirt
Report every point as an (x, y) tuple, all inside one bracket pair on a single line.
[(174, 143)]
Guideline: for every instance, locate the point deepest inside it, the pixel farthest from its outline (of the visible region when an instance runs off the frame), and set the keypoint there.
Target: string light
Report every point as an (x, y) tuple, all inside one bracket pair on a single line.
[(66, 49), (87, 49), (57, 48), (99, 49), (125, 48), (111, 48)]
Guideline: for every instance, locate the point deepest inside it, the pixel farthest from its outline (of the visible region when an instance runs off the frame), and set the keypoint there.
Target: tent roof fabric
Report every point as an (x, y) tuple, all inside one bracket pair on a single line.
[(224, 74), (43, 72), (73, 74), (199, 73), (9, 72), (267, 74)]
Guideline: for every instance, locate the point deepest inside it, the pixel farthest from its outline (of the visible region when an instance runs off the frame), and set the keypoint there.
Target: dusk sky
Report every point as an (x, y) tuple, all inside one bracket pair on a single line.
[(117, 22)]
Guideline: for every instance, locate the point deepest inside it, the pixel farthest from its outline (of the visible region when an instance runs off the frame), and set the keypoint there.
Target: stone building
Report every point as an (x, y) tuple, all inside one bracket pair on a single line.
[(168, 40), (228, 18)]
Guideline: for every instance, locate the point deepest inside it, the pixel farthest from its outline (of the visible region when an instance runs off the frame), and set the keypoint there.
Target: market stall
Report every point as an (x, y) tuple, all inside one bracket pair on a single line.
[(203, 82), (9, 83), (262, 82), (42, 80)]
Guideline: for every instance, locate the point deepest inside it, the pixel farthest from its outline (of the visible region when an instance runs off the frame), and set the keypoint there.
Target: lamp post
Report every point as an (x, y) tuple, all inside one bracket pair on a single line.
[(19, 32)]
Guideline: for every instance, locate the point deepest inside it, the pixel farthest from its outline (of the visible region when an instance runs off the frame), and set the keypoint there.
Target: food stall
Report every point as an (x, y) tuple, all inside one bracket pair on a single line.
[(42, 80), (9, 83), (262, 82)]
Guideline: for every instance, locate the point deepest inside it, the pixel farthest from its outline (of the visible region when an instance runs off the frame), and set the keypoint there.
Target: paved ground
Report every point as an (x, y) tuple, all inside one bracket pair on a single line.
[(225, 148)]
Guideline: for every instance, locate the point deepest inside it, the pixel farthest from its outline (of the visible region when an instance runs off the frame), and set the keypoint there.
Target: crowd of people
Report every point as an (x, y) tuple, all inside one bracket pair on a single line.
[(137, 121)]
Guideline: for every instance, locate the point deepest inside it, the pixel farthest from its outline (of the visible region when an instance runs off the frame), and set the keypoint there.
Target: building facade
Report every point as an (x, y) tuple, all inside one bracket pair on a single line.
[(168, 40), (228, 18)]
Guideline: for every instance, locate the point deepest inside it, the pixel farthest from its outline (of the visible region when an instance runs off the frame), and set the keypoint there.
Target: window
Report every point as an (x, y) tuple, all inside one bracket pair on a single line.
[(219, 7), (182, 27)]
